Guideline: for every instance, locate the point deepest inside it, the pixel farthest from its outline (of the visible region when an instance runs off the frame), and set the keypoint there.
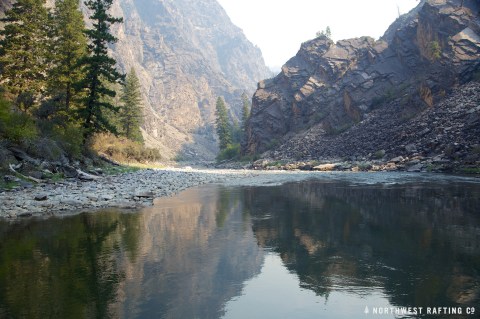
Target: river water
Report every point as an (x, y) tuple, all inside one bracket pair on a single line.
[(320, 248)]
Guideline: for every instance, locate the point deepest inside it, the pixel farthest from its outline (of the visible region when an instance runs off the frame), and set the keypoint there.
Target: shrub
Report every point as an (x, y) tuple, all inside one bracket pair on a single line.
[(16, 126), (71, 139), (435, 50), (379, 154), (230, 152), (249, 158)]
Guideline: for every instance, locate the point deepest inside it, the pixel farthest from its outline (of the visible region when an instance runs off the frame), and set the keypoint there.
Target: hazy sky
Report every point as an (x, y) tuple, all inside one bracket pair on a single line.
[(278, 27)]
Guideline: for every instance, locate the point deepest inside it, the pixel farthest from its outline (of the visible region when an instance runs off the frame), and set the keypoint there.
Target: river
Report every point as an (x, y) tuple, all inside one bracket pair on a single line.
[(316, 248)]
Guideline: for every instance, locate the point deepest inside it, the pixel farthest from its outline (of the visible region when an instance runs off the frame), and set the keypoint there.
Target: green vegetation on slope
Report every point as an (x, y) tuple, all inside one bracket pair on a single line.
[(58, 84)]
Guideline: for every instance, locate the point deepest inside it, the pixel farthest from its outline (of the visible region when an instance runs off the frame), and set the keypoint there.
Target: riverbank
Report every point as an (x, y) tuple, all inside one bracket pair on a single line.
[(126, 191), (140, 188)]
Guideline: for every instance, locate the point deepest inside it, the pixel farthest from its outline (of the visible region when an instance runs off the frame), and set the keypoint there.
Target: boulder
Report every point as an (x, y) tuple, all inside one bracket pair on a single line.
[(68, 171), (326, 167), (41, 197)]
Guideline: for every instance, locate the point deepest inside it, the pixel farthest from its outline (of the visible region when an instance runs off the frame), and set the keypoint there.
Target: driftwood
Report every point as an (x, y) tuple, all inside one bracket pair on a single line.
[(86, 177), (108, 160), (30, 178)]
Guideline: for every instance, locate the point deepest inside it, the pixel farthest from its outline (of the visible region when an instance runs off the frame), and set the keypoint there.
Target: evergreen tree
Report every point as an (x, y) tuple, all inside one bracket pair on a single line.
[(236, 132), (131, 114), (223, 125), (245, 111), (328, 32), (23, 51), (325, 33), (69, 48), (99, 70)]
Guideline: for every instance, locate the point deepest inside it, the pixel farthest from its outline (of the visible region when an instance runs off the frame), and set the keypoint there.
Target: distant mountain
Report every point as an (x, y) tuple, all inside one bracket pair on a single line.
[(186, 53), (329, 94)]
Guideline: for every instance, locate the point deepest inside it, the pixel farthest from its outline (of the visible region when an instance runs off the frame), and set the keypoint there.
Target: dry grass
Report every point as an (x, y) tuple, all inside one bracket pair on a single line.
[(123, 150)]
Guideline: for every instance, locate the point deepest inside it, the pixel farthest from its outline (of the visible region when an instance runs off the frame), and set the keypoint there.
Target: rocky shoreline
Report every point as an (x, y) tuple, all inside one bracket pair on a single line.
[(139, 189), (124, 191), (417, 163)]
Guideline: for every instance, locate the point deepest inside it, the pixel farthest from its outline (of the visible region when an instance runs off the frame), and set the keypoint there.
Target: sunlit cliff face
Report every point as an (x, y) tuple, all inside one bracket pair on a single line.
[(186, 54)]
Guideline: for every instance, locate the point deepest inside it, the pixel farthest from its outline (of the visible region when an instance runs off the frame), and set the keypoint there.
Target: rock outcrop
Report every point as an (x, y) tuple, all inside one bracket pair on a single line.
[(329, 89), (186, 53)]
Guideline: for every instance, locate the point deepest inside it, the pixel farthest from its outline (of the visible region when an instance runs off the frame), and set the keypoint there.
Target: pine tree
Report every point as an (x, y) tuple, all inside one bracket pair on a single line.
[(23, 51), (131, 114), (69, 48), (223, 125), (245, 111), (325, 33), (236, 132), (100, 70)]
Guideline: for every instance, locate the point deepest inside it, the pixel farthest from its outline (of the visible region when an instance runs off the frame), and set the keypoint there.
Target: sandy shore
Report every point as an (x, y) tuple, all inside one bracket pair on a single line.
[(139, 189)]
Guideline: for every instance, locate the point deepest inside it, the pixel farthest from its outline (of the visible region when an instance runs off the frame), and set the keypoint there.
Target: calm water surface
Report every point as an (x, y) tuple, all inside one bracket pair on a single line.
[(313, 249)]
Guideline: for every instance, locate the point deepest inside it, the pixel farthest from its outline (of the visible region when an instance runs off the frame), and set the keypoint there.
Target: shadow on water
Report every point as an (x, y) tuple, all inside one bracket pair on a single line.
[(197, 254)]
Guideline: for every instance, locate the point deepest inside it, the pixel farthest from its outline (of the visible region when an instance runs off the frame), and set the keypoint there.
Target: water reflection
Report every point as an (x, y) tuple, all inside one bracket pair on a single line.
[(309, 249), (420, 244), (197, 250), (64, 268)]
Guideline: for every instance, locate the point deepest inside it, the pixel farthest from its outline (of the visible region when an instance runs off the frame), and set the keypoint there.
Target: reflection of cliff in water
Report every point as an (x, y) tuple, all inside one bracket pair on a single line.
[(404, 238), (196, 252)]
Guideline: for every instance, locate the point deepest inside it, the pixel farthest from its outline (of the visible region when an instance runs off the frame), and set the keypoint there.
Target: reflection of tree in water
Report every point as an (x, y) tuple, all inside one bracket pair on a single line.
[(228, 203), (63, 268), (420, 243)]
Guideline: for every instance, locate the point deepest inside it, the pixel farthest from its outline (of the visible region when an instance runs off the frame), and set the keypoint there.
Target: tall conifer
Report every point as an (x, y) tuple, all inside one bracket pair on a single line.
[(69, 48), (100, 70), (245, 111), (23, 51), (223, 126), (131, 114)]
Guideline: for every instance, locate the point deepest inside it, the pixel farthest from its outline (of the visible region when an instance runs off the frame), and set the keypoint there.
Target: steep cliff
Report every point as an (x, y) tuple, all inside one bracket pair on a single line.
[(187, 53), (329, 88)]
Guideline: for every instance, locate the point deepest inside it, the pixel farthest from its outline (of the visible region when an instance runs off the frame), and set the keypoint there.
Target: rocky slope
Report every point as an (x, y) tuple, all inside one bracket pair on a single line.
[(359, 96), (442, 138), (187, 53)]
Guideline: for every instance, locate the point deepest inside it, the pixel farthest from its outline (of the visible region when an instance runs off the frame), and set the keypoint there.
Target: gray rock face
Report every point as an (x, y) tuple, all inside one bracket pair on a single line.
[(186, 53), (329, 87), (441, 138)]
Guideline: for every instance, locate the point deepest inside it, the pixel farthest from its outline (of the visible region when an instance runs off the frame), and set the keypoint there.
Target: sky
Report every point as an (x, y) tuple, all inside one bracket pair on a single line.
[(278, 27)]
